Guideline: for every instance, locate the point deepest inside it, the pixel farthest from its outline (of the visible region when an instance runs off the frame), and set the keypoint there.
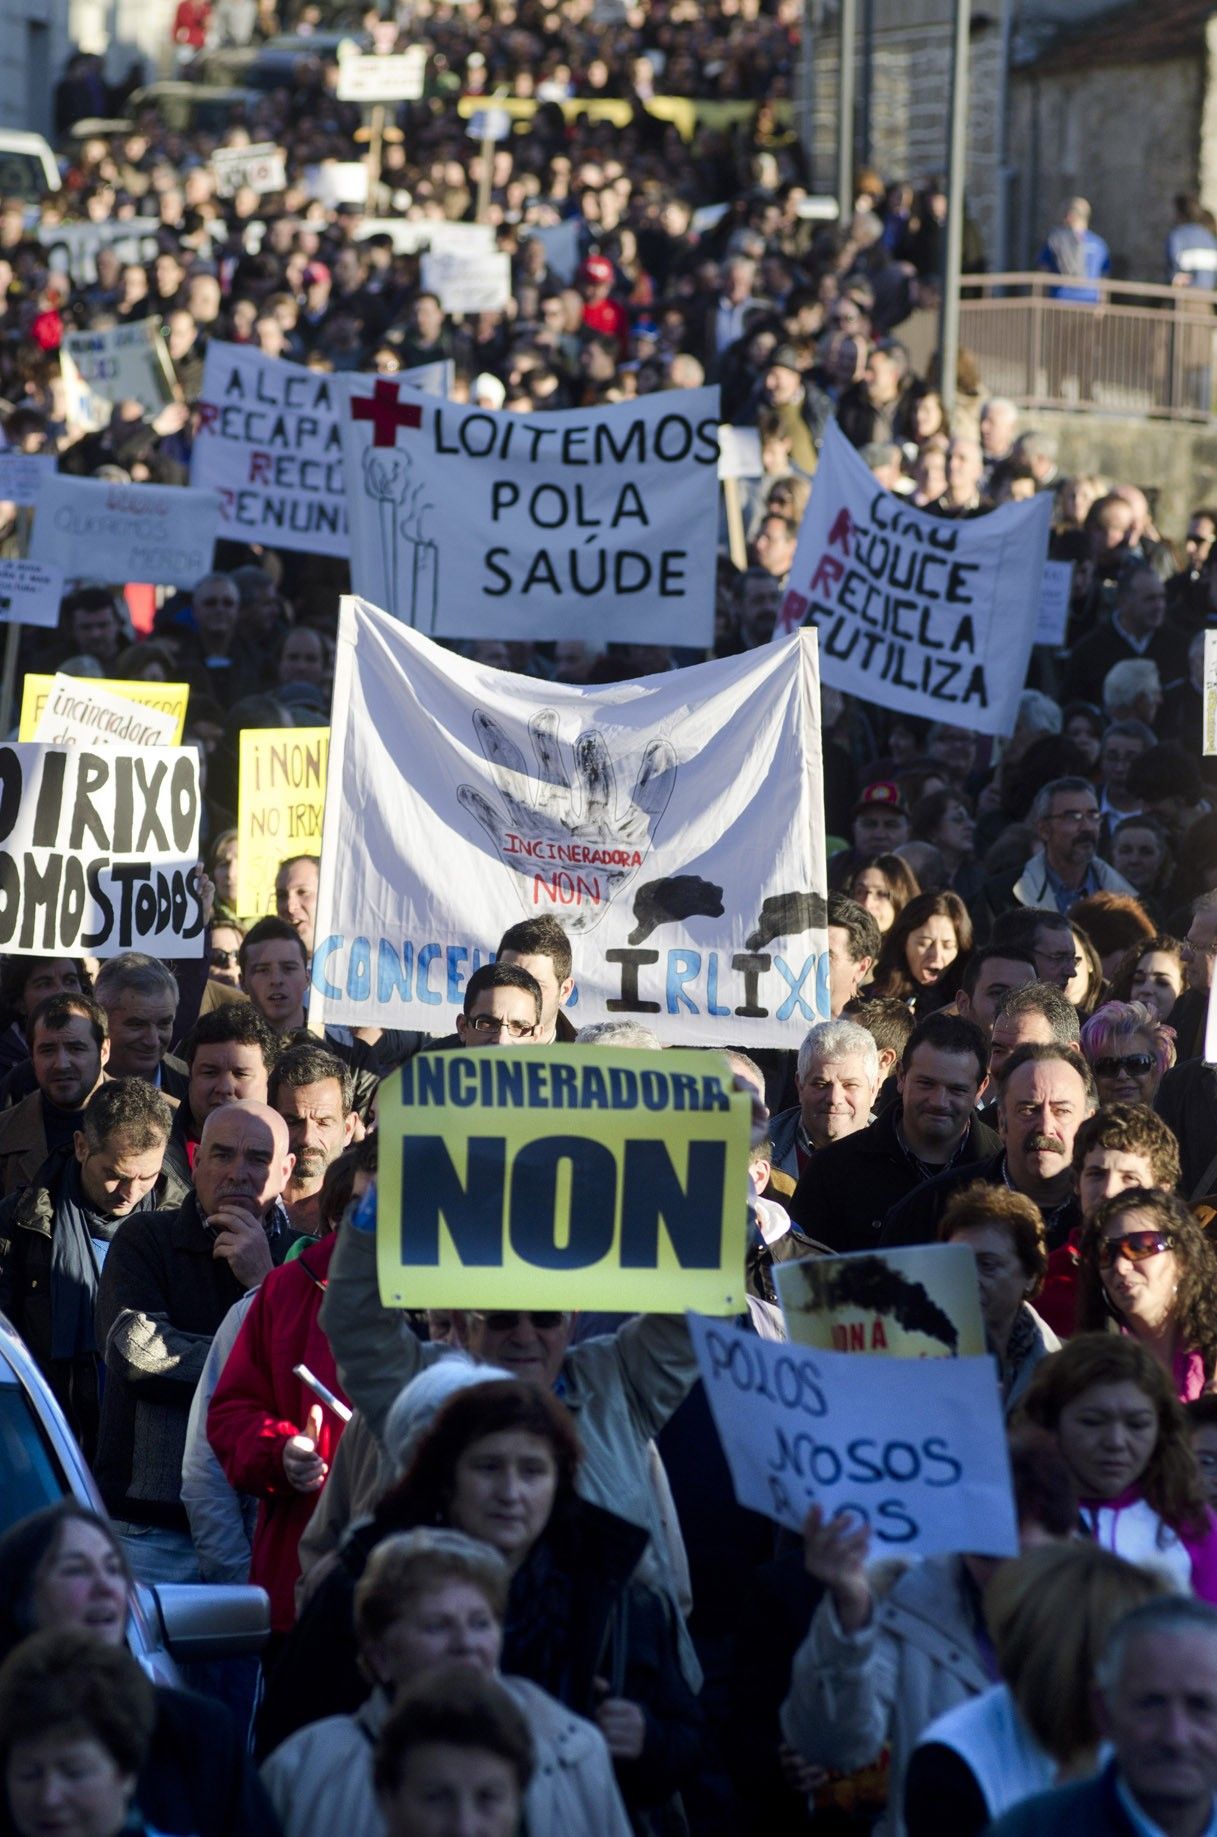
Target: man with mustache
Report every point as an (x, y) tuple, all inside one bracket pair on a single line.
[(1045, 1090), (168, 1281)]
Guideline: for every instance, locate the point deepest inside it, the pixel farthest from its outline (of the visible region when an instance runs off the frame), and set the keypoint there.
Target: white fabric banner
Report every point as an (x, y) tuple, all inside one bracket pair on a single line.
[(164, 534), (268, 442), (674, 826), (933, 616), (595, 523)]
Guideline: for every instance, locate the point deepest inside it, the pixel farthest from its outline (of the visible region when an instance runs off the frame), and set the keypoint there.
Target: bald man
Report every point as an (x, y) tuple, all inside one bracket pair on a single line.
[(165, 1288)]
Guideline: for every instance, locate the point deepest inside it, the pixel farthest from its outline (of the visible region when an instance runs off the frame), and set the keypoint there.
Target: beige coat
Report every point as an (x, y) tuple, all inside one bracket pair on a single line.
[(320, 1779)]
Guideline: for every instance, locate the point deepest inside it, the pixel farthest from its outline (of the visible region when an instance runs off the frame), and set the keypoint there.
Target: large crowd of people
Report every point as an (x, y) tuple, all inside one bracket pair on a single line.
[(509, 1586)]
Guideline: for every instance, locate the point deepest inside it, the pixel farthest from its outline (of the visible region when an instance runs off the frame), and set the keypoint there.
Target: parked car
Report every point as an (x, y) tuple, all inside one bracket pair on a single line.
[(28, 168), (41, 1463)]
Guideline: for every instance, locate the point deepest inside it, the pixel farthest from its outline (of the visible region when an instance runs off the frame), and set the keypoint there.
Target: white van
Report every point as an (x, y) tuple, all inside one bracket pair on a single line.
[(28, 168)]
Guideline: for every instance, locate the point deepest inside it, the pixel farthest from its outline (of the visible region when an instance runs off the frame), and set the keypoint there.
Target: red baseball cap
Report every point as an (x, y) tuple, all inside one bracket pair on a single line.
[(597, 269)]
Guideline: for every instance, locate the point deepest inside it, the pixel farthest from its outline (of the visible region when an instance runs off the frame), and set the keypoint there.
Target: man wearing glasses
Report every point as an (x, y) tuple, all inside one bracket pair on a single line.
[(1065, 816), (502, 1007)]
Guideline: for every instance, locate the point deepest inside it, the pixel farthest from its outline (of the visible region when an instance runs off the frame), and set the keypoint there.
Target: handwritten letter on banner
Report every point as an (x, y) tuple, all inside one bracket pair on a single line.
[(98, 851), (268, 443), (596, 523), (462, 799), (930, 615), (914, 1447), (164, 534)]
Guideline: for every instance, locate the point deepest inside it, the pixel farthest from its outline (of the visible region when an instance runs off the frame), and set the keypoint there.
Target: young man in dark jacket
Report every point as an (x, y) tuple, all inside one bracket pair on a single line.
[(55, 1235)]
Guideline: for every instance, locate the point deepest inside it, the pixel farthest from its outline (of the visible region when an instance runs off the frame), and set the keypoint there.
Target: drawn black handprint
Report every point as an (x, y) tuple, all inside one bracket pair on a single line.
[(568, 843)]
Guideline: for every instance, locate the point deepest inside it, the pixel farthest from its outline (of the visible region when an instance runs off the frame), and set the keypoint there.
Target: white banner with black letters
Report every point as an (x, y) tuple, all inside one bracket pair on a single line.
[(673, 825), (931, 615), (268, 442), (98, 851), (596, 523)]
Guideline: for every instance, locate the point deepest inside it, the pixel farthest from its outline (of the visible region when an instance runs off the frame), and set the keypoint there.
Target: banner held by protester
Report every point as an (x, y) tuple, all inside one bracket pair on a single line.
[(168, 697), (280, 807), (120, 363), (462, 799), (268, 443), (82, 712), (575, 1176), (915, 1448), (31, 593), (95, 530), (99, 850), (933, 616), (922, 1302), (596, 523)]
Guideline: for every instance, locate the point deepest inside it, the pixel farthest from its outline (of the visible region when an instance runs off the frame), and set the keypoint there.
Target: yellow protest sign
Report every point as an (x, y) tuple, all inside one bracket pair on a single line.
[(166, 697), (563, 1177), (280, 807), (919, 1302)]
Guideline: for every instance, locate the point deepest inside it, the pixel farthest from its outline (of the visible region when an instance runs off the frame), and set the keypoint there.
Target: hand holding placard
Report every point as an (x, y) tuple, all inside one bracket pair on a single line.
[(913, 1448)]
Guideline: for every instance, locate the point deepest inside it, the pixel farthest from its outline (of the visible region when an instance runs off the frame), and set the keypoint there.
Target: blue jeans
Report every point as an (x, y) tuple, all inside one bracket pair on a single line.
[(157, 1553)]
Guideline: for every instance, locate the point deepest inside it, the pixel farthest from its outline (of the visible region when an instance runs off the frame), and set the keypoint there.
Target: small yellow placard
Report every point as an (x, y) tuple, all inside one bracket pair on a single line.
[(280, 807), (168, 697)]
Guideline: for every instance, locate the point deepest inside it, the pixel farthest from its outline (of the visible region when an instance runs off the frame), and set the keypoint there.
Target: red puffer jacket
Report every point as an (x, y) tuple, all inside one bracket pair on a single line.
[(259, 1403)]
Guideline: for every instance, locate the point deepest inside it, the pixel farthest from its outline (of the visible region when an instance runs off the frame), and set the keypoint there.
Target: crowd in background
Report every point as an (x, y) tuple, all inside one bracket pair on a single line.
[(515, 1583)]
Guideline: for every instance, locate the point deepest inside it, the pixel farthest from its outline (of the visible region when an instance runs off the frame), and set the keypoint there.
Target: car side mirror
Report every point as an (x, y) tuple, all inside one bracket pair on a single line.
[(210, 1621)]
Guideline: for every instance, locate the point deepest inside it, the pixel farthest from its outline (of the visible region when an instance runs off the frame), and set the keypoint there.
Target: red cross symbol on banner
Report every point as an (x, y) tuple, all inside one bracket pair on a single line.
[(386, 413)]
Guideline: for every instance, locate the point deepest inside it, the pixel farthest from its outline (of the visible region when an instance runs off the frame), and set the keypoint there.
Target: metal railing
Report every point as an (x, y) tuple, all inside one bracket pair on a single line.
[(1140, 350)]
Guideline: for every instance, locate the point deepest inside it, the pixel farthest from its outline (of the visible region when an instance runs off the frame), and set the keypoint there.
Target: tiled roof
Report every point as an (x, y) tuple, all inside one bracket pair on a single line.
[(1146, 31)]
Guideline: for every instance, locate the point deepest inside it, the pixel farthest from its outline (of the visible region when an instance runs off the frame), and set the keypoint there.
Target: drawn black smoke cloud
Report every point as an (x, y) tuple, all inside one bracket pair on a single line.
[(873, 1286), (679, 896), (785, 915)]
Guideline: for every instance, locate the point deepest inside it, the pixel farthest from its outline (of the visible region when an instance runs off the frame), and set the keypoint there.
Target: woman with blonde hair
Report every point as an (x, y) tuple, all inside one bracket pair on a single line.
[(1049, 1614)]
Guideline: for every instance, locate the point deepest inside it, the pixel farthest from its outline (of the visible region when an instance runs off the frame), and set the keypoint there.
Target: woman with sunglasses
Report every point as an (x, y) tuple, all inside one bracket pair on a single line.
[(1121, 1429), (1146, 1267), (1130, 1051), (499, 1463), (225, 961)]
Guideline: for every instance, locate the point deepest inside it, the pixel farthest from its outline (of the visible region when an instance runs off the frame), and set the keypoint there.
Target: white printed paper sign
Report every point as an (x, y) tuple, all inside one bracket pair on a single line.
[(269, 444), (30, 593), (163, 534), (1056, 591), (99, 851), (461, 799), (468, 284), (739, 452), (930, 615), (597, 523), (916, 1448), (123, 363), (397, 78), (257, 168), (79, 711), (21, 476)]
